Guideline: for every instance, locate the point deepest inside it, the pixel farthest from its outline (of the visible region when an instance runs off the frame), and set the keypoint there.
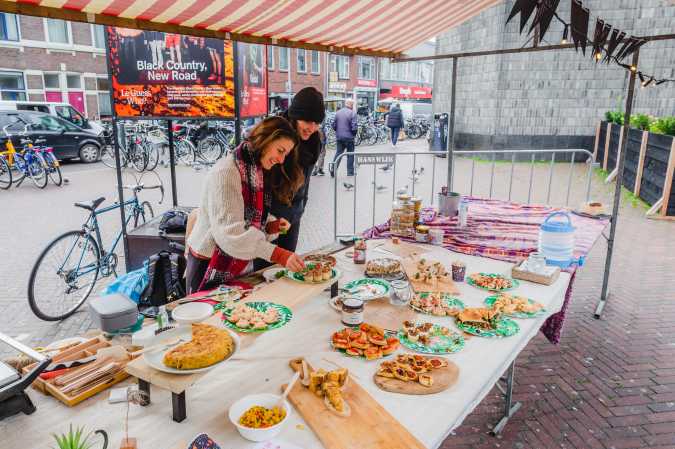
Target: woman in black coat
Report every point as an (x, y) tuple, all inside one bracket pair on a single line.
[(395, 122), (306, 113)]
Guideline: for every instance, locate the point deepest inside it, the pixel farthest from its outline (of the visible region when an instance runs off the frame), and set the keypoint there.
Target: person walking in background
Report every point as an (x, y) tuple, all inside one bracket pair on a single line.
[(395, 122), (318, 168), (345, 126)]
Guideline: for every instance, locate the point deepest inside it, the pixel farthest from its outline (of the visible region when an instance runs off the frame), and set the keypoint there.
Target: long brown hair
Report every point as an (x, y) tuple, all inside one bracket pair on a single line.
[(285, 179)]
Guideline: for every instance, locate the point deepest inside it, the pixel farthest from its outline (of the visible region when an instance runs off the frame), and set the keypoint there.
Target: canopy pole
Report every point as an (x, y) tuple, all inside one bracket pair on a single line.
[(172, 162), (451, 124), (617, 189)]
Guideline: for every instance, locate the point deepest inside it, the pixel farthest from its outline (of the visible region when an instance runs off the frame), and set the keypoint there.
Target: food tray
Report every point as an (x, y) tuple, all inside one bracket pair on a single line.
[(87, 348), (518, 273)]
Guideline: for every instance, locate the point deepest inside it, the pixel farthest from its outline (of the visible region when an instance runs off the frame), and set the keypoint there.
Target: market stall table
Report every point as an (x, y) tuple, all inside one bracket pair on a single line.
[(262, 366)]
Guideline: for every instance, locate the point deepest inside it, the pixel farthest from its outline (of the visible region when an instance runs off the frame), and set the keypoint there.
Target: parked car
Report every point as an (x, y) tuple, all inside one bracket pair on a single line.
[(62, 110), (69, 141)]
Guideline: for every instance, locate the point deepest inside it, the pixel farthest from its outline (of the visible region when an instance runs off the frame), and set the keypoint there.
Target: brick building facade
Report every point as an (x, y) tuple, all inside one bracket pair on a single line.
[(52, 60), (307, 68)]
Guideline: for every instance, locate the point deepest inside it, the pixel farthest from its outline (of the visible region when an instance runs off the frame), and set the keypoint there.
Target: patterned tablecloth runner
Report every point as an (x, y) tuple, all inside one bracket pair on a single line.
[(509, 232)]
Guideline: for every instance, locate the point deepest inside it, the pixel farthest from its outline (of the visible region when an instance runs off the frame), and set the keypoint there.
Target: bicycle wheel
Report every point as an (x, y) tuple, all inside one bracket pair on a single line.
[(143, 214), (53, 169), (63, 276), (108, 157), (210, 149), (185, 152), (139, 158), (371, 136), (5, 174), (37, 172), (153, 156)]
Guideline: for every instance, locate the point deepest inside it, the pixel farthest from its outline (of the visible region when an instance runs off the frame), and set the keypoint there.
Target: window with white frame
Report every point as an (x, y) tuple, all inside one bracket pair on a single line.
[(270, 57), (51, 81), (12, 86), (58, 31), (301, 60), (340, 64), (9, 27), (103, 87), (366, 68), (98, 32), (284, 58), (316, 64), (74, 81)]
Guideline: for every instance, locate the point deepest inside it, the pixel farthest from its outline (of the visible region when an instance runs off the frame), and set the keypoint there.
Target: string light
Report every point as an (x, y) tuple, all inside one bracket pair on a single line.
[(598, 55), (633, 68), (565, 34)]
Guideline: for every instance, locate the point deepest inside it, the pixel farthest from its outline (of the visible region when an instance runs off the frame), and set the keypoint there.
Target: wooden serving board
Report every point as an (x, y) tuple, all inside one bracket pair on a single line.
[(369, 426), (444, 286), (444, 378), (401, 249)]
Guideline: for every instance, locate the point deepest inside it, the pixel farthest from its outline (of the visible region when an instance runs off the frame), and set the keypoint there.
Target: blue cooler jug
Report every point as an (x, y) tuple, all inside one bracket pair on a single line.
[(556, 239)]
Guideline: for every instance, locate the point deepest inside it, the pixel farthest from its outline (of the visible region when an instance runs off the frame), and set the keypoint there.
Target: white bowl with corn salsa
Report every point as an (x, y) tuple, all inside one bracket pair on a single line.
[(258, 417)]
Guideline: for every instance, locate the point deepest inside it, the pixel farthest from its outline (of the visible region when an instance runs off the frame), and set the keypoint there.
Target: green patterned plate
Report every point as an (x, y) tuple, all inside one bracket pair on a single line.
[(506, 327), (367, 289), (514, 282), (300, 277), (439, 343), (285, 316), (448, 300), (490, 300)]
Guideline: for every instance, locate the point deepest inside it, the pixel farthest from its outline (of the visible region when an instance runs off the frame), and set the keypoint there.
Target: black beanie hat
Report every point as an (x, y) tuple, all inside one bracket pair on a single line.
[(307, 105)]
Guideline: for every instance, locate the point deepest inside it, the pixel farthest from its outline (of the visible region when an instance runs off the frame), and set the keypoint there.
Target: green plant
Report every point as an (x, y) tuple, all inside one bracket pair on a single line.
[(614, 117), (641, 121), (74, 439), (663, 125)]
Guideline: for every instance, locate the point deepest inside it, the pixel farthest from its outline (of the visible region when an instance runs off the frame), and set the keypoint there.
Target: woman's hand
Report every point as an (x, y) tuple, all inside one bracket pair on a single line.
[(284, 226), (295, 263)]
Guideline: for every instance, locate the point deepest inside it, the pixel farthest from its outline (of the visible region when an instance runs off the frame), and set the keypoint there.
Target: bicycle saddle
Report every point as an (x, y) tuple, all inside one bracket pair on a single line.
[(91, 205)]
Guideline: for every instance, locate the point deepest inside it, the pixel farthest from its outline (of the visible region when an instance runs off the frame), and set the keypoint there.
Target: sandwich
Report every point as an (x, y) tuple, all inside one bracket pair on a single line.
[(479, 317)]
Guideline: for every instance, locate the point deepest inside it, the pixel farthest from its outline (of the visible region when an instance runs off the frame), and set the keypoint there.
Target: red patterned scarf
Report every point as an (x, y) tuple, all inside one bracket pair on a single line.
[(223, 267)]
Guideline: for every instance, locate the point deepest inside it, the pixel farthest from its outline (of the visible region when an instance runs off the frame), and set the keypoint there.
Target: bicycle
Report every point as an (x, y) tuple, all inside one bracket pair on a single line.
[(66, 271), (132, 151), (46, 154), (30, 164), (213, 146)]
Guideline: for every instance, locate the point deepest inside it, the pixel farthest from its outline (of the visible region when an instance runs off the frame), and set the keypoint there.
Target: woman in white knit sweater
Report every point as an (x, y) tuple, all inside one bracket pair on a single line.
[(234, 225)]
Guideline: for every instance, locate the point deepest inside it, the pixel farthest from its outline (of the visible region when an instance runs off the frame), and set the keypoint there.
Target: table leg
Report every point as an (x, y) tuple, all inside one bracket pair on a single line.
[(334, 289), (178, 404), (144, 386), (509, 407)]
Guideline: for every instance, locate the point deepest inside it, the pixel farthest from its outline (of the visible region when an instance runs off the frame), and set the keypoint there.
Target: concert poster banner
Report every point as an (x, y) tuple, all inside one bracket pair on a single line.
[(252, 76), (164, 75)]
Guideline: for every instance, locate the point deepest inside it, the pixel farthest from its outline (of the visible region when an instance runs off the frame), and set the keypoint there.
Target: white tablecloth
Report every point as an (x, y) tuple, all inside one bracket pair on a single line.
[(429, 418)]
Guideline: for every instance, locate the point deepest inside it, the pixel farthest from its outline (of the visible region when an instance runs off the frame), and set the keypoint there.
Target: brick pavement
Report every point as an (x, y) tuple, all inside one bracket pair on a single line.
[(609, 384)]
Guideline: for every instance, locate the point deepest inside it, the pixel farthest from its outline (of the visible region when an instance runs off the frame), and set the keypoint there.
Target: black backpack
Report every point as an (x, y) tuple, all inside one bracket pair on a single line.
[(166, 282), (173, 221)]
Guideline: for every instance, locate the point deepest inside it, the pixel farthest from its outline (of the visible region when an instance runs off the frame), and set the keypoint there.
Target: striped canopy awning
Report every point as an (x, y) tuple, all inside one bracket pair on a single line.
[(375, 27)]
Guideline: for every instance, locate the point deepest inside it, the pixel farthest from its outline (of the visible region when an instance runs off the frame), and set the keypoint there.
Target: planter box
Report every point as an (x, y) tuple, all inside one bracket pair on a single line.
[(655, 165)]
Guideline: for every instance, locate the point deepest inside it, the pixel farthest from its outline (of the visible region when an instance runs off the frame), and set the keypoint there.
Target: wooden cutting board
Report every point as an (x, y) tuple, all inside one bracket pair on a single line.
[(444, 286), (444, 378), (369, 426)]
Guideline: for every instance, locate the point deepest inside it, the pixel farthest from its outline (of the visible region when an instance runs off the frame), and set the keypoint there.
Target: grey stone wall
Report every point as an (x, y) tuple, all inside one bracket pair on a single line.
[(555, 98)]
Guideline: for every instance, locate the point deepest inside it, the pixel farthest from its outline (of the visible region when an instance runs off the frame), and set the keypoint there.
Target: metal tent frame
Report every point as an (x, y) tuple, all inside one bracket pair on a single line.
[(628, 108)]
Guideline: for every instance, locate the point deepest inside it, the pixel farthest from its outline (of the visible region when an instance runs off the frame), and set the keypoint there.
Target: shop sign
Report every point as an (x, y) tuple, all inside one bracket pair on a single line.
[(366, 83), (362, 159), (337, 87), (411, 92)]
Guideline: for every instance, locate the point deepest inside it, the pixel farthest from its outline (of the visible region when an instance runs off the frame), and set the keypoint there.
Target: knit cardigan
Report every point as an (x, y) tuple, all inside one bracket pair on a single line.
[(220, 220)]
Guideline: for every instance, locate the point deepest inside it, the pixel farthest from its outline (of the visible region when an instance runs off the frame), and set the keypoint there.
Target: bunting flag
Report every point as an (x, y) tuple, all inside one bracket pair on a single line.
[(525, 8), (600, 35), (580, 17), (614, 40), (545, 11)]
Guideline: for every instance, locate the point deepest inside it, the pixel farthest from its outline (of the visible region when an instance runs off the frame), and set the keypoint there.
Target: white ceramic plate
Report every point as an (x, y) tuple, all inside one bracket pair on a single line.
[(156, 358), (192, 312)]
